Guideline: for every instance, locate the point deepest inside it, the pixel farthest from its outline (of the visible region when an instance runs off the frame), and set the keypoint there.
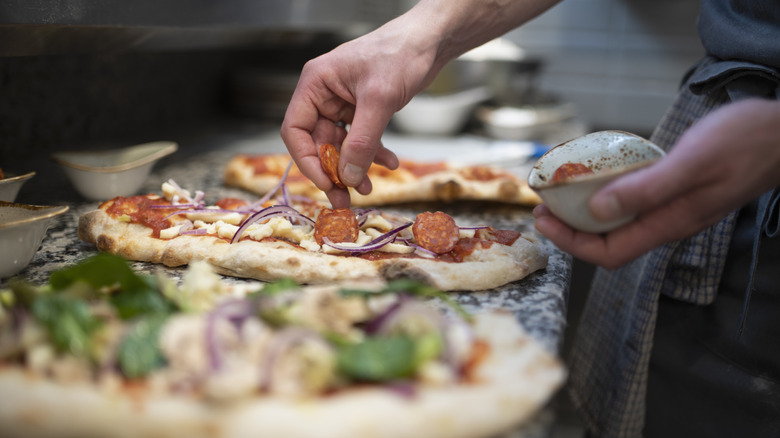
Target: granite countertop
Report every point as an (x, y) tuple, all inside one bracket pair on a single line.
[(539, 300)]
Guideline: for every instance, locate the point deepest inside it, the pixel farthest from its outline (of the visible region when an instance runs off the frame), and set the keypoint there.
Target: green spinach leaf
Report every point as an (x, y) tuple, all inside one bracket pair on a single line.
[(378, 359), (101, 271), (68, 322), (139, 352)]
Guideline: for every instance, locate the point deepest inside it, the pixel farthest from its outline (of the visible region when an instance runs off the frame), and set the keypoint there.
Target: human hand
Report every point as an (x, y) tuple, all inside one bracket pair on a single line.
[(361, 83), (722, 162)]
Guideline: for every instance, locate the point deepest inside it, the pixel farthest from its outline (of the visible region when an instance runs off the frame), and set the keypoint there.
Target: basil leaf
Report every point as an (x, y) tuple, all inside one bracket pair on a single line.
[(100, 271), (130, 304), (23, 293), (279, 286), (412, 287), (427, 347), (68, 321), (139, 352), (378, 359)]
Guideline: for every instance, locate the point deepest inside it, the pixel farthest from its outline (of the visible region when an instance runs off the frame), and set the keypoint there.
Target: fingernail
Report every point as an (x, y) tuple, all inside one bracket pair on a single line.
[(607, 207), (352, 175)]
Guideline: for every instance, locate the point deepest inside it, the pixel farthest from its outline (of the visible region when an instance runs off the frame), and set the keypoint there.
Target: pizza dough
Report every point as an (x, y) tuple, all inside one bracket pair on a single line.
[(512, 383), (413, 181), (271, 260)]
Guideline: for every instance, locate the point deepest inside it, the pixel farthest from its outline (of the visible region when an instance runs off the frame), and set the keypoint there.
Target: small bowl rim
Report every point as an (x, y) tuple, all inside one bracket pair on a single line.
[(55, 210), (602, 174), (17, 178), (166, 148)]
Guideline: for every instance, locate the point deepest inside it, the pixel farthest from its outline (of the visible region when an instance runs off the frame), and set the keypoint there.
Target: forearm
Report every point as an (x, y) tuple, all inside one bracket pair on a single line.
[(363, 82), (452, 27)]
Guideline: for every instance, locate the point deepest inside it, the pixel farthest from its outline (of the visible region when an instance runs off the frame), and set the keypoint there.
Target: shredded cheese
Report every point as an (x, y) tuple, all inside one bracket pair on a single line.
[(230, 218), (377, 221), (465, 234), (170, 233)]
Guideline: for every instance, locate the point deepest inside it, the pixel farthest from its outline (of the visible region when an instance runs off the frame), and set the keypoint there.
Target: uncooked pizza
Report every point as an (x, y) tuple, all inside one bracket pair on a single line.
[(293, 236), (412, 181), (101, 351)]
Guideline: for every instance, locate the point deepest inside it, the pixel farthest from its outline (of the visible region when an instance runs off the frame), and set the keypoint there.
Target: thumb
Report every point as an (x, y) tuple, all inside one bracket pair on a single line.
[(638, 191), (363, 141)]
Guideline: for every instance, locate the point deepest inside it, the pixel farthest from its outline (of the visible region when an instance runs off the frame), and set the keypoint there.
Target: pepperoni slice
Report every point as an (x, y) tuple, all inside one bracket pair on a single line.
[(339, 225), (568, 171), (329, 158), (436, 232)]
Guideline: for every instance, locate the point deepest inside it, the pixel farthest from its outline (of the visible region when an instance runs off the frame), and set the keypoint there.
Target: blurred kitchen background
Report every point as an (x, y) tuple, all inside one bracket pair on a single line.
[(86, 71), (78, 74)]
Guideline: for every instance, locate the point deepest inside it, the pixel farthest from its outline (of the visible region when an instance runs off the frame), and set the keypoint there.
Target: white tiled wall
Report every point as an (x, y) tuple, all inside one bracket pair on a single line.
[(619, 61)]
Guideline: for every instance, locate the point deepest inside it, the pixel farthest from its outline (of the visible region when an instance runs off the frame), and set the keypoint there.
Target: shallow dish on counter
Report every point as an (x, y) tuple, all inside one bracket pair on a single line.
[(103, 174), (22, 228), (523, 123), (432, 114), (609, 154), (11, 183)]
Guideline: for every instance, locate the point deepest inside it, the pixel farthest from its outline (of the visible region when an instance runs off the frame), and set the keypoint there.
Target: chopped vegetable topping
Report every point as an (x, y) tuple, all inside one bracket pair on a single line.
[(279, 339)]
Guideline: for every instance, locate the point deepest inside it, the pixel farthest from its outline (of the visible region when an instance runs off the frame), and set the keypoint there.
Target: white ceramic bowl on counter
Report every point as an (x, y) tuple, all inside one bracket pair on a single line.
[(11, 183), (103, 174), (22, 228), (431, 114), (524, 123), (609, 154)]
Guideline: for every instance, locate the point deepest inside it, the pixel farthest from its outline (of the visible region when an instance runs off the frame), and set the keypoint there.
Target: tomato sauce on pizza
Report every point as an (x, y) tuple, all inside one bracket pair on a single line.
[(138, 210)]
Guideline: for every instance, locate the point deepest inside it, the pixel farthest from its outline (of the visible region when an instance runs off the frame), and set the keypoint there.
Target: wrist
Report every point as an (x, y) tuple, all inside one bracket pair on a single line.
[(456, 26)]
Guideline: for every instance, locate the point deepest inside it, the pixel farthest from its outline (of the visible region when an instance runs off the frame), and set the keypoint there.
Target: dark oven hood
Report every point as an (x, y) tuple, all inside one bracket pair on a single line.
[(43, 27)]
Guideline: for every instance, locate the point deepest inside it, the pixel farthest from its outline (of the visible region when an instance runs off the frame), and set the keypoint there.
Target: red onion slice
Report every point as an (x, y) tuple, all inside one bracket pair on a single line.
[(203, 210), (373, 325), (268, 213), (396, 314), (362, 214), (236, 311), (283, 341), (259, 203), (172, 206), (424, 252), (373, 245)]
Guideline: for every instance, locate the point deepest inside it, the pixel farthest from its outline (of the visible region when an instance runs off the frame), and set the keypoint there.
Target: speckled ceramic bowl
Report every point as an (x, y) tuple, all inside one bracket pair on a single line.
[(609, 154), (104, 174), (11, 183), (22, 228)]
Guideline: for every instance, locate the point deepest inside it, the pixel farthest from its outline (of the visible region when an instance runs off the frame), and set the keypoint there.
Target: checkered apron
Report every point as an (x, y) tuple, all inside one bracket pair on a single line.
[(611, 350)]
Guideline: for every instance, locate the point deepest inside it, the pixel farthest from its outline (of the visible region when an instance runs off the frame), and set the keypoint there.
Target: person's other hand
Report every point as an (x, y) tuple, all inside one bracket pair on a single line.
[(722, 162)]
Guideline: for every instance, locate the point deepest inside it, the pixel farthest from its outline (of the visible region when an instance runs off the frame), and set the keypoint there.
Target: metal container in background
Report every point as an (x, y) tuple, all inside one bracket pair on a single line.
[(507, 71)]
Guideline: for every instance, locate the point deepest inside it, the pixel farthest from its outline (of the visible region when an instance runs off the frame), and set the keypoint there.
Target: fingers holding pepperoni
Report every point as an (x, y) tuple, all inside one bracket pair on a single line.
[(436, 232), (339, 225), (329, 157)]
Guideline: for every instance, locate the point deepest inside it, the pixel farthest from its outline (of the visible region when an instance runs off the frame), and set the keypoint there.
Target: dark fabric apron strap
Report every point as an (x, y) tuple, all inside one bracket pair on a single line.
[(767, 222), (742, 80)]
